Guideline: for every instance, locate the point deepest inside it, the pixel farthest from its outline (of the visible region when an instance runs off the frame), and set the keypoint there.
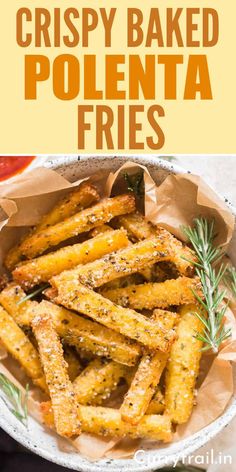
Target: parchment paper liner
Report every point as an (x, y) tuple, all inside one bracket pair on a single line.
[(178, 200)]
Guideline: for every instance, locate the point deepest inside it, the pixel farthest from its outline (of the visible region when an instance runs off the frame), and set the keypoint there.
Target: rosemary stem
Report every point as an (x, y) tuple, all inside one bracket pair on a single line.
[(211, 312)]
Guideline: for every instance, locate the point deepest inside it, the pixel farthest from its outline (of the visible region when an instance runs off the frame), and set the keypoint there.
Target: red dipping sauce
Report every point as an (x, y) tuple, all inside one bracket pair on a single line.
[(12, 165)]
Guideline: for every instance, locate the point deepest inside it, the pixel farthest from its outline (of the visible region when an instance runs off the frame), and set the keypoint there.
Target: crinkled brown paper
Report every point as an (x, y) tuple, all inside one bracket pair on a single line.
[(175, 202)]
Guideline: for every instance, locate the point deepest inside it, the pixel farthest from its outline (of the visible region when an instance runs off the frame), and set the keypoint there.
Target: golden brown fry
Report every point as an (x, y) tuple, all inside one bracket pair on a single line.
[(152, 295), (65, 411), (100, 230), (19, 346), (147, 376), (74, 365), (183, 366), (157, 404), (43, 268), (119, 264), (91, 336), (96, 382), (73, 329), (139, 228), (10, 299), (107, 422), (136, 225), (79, 223), (76, 201), (80, 298)]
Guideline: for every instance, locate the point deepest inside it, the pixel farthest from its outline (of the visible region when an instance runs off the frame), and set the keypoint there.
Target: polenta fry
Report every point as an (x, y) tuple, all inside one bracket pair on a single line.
[(10, 299), (76, 201), (147, 376), (19, 346), (95, 383), (119, 264), (183, 366), (139, 228), (65, 411), (157, 404), (43, 268), (73, 362), (91, 336), (100, 230), (156, 295), (79, 223), (80, 298), (73, 329), (107, 422)]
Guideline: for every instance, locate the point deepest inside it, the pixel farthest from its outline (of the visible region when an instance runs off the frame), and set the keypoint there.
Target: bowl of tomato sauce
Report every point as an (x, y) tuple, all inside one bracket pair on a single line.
[(12, 166)]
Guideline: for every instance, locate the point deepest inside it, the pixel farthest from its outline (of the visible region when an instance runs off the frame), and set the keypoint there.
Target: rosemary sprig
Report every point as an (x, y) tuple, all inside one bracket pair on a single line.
[(230, 279), (135, 183), (33, 294), (14, 400), (202, 239)]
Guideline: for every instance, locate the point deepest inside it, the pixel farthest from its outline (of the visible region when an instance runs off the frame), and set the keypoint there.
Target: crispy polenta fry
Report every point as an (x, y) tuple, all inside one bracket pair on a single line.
[(80, 298), (10, 299), (74, 365), (183, 366), (96, 382), (91, 336), (136, 225), (65, 411), (118, 264), (157, 404), (19, 346), (73, 329), (79, 223), (156, 295), (107, 422), (147, 376), (77, 200), (43, 268), (100, 230), (139, 228), (132, 279)]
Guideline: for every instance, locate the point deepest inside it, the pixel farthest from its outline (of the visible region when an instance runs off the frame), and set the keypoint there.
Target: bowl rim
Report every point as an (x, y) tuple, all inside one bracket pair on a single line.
[(190, 444)]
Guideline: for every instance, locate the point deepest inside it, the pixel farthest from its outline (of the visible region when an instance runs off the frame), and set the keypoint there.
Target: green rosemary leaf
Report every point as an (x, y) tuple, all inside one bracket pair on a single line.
[(202, 238), (135, 183), (230, 279), (12, 397), (33, 294)]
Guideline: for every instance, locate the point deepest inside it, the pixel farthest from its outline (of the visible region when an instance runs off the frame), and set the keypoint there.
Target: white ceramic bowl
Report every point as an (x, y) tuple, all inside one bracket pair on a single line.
[(36, 438)]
